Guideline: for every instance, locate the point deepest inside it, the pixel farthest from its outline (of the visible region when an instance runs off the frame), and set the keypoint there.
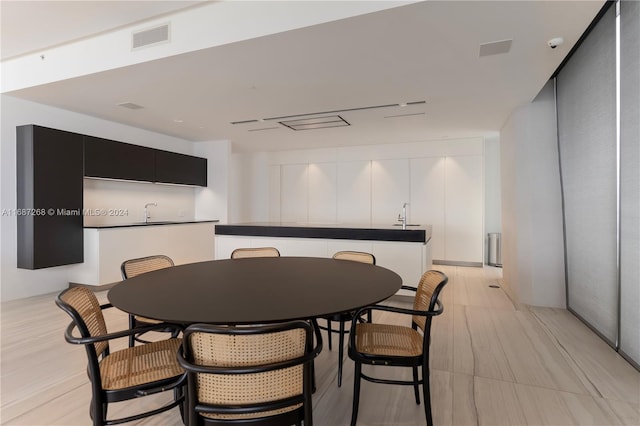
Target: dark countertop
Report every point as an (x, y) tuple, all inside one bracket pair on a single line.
[(338, 231), (130, 225)]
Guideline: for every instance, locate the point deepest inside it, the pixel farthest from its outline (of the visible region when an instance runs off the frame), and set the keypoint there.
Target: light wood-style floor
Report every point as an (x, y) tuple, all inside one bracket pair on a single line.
[(492, 364)]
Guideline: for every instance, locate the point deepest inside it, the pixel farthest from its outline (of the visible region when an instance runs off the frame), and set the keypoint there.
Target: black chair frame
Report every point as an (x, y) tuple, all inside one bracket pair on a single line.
[(174, 329), (304, 413), (435, 309), (343, 318), (102, 397)]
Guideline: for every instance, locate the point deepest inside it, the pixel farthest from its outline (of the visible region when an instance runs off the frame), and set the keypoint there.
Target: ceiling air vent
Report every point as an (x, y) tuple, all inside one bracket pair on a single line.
[(150, 37), (495, 47)]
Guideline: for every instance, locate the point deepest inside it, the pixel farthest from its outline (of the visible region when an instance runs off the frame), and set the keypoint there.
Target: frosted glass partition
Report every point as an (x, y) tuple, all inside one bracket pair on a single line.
[(630, 179), (586, 102)]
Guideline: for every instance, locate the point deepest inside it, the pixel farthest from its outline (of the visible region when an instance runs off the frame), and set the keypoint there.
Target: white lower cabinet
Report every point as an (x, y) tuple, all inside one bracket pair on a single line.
[(409, 260)]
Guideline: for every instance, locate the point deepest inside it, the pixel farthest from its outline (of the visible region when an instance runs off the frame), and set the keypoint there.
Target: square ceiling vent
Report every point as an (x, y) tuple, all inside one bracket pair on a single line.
[(316, 123)]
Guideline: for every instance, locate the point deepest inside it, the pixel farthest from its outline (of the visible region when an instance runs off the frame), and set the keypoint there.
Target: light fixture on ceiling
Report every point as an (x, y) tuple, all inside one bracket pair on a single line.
[(316, 123), (337, 111), (405, 115), (130, 105)]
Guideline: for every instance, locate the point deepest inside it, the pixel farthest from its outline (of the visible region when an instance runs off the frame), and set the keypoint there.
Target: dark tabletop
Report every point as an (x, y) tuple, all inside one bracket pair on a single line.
[(254, 290)]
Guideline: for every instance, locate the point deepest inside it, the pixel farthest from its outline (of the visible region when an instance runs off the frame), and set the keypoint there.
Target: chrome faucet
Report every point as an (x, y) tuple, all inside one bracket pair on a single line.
[(147, 216), (403, 218)]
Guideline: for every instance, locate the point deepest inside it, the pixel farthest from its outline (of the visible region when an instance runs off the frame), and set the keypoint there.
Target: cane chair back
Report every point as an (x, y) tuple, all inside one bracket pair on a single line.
[(250, 372), (124, 374), (89, 317), (242, 253), (356, 256), (133, 267)]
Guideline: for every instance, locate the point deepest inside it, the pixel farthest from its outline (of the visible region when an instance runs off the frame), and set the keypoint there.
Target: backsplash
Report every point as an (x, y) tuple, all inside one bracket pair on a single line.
[(108, 202)]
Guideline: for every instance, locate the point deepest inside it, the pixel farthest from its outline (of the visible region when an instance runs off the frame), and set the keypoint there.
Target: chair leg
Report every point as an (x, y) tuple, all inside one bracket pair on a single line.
[(340, 353), (427, 395), (329, 332), (356, 392), (416, 387), (132, 325)]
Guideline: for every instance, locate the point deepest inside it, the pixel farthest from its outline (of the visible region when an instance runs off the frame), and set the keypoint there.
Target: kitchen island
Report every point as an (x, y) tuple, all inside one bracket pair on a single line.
[(405, 251), (106, 246)]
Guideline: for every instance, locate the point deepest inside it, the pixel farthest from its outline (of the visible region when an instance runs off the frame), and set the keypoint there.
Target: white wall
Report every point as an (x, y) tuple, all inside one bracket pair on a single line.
[(16, 283), (532, 236)]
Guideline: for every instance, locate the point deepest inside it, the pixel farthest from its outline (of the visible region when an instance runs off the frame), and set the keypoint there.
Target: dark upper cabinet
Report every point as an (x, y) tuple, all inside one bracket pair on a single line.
[(172, 167), (105, 158), (49, 197)]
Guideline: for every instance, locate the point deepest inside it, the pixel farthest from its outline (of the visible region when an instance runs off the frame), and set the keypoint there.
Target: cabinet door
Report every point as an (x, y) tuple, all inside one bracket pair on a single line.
[(427, 199), (274, 193), (322, 193), (354, 192), (105, 158), (49, 181), (293, 193), (172, 167), (405, 259), (463, 204), (389, 190)]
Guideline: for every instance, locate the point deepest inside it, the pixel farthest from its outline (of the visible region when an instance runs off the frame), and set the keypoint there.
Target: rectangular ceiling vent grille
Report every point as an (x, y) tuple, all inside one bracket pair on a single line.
[(150, 37), (495, 48)]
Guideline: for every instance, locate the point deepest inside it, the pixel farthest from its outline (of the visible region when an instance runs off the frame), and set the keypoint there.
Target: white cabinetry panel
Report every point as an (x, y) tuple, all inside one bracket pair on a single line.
[(293, 193), (274, 193), (389, 189), (354, 192), (322, 192), (427, 199), (464, 207)]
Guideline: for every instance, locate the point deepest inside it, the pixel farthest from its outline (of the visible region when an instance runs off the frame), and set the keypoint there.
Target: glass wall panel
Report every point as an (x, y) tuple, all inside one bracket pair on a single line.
[(586, 102), (630, 179)]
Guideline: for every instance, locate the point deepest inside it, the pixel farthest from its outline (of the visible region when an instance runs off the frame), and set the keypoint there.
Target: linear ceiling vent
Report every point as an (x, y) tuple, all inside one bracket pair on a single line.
[(495, 48), (316, 123), (150, 37)]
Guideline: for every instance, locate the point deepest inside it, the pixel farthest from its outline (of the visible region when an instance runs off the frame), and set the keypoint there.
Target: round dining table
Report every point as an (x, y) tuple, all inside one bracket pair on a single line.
[(254, 290)]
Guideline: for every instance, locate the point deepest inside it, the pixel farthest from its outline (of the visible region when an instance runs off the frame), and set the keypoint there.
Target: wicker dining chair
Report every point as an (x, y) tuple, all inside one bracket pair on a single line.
[(132, 267), (124, 374), (241, 253), (396, 345), (249, 374), (345, 317)]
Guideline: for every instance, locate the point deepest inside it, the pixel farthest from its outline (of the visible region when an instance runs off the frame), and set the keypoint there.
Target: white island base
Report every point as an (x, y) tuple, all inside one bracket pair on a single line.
[(408, 259)]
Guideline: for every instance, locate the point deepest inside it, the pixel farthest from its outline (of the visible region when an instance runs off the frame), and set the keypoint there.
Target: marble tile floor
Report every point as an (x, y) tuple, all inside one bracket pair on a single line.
[(492, 364)]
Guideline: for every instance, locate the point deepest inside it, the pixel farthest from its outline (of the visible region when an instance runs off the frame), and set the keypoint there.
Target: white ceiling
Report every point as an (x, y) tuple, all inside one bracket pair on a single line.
[(426, 51)]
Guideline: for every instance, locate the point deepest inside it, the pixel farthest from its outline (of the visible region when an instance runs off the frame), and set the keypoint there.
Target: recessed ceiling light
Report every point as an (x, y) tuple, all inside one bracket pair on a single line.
[(178, 121), (405, 115)]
